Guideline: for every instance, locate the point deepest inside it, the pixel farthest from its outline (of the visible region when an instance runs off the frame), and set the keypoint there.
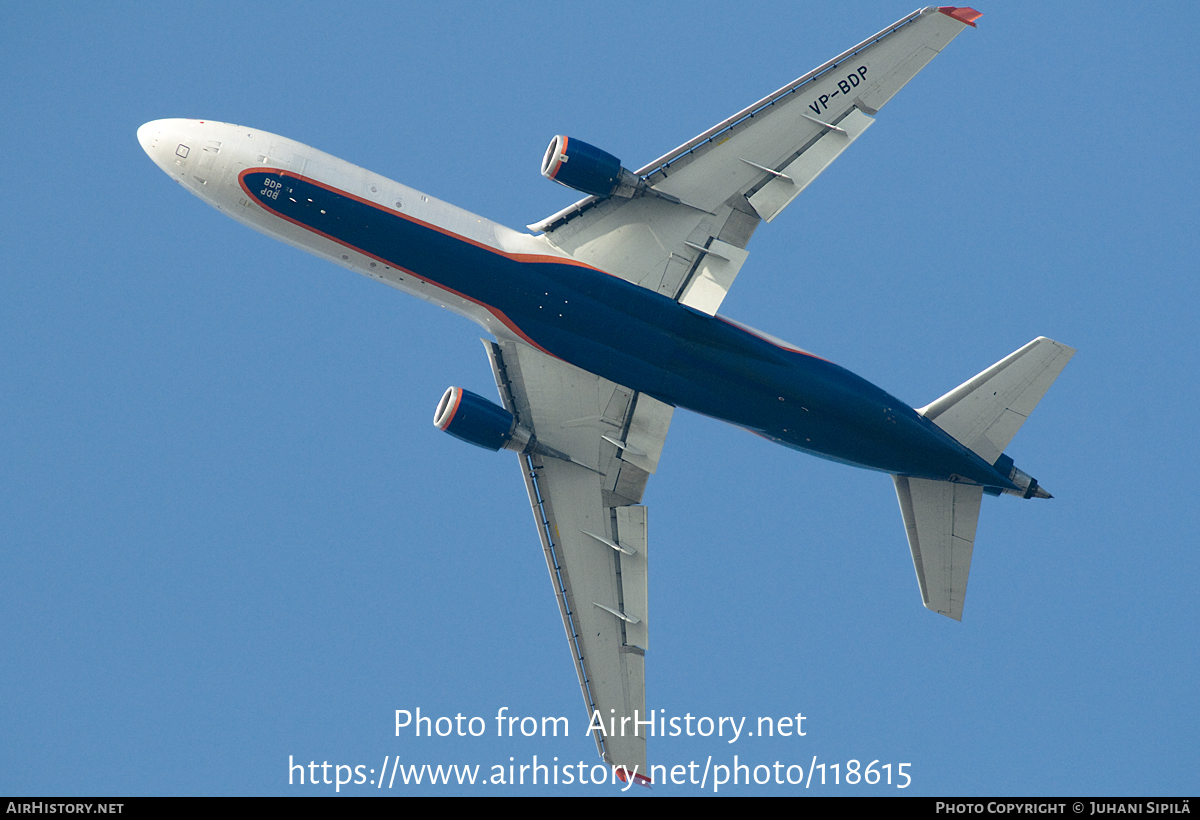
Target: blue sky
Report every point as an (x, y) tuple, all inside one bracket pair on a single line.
[(230, 535)]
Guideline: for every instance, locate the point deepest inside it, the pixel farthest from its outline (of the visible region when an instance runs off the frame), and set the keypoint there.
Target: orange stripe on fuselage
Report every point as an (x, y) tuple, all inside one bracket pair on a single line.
[(516, 257)]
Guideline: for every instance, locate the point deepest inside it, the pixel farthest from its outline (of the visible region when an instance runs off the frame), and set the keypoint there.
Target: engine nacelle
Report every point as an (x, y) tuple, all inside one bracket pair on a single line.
[(474, 419), (586, 168)]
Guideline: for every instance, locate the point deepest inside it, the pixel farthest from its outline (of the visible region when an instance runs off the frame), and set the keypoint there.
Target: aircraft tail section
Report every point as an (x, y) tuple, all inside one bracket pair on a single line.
[(984, 413), (940, 519)]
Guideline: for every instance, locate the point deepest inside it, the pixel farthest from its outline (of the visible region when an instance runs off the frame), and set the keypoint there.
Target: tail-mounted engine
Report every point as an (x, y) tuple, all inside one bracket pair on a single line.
[(474, 419), (586, 168)]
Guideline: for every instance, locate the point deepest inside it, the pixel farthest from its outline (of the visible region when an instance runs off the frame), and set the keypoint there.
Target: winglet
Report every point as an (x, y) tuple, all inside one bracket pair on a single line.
[(963, 14), (641, 779)]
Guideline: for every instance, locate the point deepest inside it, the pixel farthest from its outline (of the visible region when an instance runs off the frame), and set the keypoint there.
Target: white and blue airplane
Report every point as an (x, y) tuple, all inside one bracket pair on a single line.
[(605, 320)]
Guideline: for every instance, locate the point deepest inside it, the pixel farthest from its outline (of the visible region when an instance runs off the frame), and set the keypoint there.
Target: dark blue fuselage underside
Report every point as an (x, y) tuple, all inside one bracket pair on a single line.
[(646, 341)]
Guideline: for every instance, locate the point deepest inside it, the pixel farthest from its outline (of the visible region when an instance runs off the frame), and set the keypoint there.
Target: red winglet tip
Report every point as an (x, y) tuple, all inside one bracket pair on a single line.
[(640, 779), (963, 14)]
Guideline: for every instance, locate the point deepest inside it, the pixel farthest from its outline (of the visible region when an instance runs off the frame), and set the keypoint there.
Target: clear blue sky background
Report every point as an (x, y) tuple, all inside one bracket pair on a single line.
[(229, 533)]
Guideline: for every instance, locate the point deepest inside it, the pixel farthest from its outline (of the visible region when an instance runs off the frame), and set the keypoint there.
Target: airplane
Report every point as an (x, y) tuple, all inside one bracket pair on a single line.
[(604, 320)]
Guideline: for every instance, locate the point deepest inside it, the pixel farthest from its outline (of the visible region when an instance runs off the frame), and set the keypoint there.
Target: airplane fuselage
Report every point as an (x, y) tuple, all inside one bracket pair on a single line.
[(520, 287)]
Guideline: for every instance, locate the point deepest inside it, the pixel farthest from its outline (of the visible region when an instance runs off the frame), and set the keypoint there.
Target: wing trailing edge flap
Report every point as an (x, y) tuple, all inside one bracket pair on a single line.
[(592, 529), (770, 200), (940, 518), (685, 237)]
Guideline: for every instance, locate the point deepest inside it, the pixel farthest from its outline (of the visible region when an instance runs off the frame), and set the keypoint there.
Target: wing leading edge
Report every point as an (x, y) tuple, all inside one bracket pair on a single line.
[(592, 526)]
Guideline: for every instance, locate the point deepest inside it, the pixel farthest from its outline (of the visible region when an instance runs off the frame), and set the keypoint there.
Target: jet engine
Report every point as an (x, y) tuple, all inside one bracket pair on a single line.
[(474, 419), (586, 168)]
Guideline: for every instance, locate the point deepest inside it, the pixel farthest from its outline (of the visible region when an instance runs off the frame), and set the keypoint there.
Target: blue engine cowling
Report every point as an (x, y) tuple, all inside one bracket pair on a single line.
[(474, 419), (586, 168)]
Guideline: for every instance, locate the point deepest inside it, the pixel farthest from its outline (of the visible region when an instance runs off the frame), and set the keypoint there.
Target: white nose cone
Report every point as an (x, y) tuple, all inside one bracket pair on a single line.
[(154, 138), (172, 143), (145, 135)]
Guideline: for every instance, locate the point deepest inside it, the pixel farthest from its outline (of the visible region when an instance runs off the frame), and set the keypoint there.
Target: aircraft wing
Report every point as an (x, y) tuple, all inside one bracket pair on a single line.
[(592, 527), (685, 234)]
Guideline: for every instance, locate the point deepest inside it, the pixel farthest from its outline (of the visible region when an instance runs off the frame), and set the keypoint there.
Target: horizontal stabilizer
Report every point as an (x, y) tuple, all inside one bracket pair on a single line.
[(987, 411), (940, 518)]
